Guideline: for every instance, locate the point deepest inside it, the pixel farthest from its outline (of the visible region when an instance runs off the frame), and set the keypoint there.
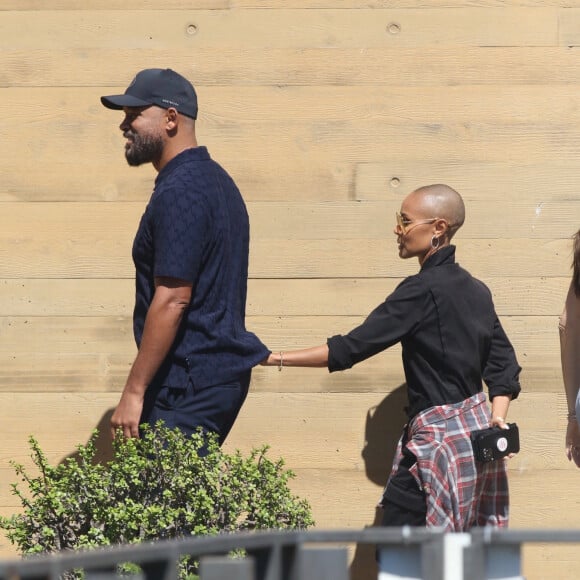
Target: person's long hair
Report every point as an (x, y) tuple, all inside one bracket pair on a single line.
[(576, 263)]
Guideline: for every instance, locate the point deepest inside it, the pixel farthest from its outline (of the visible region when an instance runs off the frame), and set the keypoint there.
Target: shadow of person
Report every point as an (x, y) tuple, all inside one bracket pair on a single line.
[(103, 441), (383, 428)]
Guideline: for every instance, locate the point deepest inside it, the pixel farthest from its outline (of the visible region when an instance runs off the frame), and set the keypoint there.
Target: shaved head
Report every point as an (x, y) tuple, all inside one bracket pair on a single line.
[(444, 202)]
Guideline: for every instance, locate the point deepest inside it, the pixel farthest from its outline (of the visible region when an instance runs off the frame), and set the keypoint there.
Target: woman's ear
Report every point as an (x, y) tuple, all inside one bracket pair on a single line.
[(442, 227)]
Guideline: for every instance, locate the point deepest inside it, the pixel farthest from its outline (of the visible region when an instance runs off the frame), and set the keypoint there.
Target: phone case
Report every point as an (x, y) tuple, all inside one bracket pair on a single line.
[(494, 443)]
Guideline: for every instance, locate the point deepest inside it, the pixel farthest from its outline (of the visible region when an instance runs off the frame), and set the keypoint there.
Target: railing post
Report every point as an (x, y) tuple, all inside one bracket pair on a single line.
[(486, 560), (474, 560), (432, 558), (276, 562), (409, 560), (403, 559), (437, 558), (400, 561), (453, 549), (322, 564), (226, 568), (504, 562), (163, 570)]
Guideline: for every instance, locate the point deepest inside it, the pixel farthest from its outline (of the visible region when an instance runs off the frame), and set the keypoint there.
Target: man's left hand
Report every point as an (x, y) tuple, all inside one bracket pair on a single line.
[(127, 415)]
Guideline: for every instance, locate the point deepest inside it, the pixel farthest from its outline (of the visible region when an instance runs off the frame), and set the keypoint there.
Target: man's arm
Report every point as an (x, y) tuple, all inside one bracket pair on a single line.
[(164, 316)]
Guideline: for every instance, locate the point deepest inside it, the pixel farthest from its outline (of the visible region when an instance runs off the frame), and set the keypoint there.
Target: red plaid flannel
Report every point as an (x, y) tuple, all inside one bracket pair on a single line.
[(461, 492)]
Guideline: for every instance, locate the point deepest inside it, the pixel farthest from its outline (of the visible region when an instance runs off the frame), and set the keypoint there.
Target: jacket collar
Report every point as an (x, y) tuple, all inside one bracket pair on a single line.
[(443, 256)]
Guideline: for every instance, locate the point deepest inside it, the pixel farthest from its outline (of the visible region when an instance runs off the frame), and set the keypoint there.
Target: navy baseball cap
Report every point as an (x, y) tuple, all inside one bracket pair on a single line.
[(156, 86)]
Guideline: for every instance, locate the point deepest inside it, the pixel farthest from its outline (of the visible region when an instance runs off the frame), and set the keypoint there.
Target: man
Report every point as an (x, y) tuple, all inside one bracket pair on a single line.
[(195, 355)]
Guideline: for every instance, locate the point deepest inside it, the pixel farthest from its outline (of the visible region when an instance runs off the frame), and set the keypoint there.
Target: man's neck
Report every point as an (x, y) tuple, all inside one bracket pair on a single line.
[(173, 149)]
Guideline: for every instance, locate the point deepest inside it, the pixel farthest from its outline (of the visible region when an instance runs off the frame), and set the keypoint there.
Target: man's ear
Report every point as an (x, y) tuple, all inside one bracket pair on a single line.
[(171, 117)]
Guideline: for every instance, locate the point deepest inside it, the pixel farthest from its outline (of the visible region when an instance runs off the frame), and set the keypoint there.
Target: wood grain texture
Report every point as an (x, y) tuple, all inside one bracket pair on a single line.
[(305, 442), (309, 147), (367, 220), (569, 26), (281, 28), (70, 372), (108, 334), (498, 182), (272, 418), (93, 5), (266, 297), (51, 354), (346, 141), (359, 66), (97, 172), (518, 219), (327, 153), (67, 241), (326, 113)]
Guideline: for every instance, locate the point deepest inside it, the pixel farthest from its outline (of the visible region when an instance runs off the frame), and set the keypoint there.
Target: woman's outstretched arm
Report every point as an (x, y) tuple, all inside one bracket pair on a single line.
[(316, 356)]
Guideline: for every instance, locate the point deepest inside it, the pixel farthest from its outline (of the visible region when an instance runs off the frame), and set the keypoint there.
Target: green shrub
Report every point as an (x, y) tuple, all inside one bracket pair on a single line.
[(154, 487)]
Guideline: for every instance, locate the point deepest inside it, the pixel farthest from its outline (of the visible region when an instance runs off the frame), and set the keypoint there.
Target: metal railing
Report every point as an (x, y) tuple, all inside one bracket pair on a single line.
[(426, 554)]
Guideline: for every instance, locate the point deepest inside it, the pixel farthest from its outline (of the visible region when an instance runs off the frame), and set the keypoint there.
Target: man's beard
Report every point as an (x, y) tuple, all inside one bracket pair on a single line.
[(143, 149)]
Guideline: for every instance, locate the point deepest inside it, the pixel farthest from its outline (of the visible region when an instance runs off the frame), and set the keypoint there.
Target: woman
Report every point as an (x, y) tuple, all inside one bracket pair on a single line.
[(451, 339), (570, 353)]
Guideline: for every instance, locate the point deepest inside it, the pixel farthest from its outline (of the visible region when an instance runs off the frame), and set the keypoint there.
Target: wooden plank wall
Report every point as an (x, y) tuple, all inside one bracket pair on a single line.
[(327, 113)]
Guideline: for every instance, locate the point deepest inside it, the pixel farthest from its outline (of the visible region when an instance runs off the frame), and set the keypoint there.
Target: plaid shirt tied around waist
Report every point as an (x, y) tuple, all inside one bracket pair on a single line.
[(461, 493)]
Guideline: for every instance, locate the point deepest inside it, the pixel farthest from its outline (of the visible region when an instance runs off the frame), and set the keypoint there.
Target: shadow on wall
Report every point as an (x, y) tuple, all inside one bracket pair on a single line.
[(103, 442), (383, 427)]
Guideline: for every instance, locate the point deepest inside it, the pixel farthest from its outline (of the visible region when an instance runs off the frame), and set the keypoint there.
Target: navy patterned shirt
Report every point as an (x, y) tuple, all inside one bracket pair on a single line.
[(196, 228)]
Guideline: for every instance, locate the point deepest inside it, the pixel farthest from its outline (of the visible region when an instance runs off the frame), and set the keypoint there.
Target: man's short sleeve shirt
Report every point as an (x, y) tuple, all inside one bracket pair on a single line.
[(195, 228)]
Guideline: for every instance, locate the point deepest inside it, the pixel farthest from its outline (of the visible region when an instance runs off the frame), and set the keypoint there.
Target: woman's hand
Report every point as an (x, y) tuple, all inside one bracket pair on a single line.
[(271, 361), (498, 422), (573, 441)]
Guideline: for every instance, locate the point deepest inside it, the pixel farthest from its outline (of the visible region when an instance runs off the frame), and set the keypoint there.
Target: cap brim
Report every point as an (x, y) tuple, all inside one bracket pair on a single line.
[(117, 102)]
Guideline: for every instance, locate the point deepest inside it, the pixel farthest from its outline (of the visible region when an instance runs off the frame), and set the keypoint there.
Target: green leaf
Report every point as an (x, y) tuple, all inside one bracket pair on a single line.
[(154, 487)]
